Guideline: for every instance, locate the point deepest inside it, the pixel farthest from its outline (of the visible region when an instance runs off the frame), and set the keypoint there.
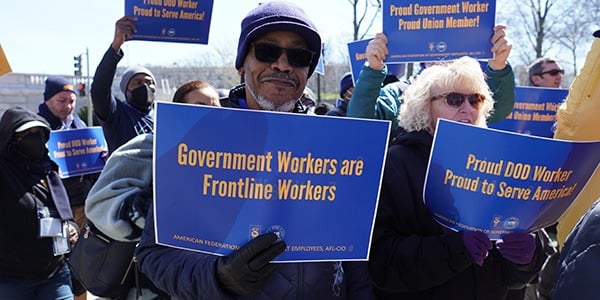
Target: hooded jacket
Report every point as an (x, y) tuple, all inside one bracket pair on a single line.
[(23, 254), (414, 257)]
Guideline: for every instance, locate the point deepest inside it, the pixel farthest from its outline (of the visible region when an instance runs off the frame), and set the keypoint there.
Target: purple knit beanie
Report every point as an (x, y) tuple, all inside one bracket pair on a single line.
[(278, 16)]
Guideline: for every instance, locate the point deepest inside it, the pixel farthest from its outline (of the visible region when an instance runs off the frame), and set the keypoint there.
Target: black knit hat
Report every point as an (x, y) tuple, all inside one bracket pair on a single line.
[(55, 85), (278, 16), (597, 33)]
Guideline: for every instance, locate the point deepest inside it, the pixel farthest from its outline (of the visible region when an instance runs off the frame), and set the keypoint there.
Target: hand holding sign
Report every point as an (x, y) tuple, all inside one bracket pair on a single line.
[(245, 271), (477, 244), (500, 48), (377, 51), (518, 247), (124, 30)]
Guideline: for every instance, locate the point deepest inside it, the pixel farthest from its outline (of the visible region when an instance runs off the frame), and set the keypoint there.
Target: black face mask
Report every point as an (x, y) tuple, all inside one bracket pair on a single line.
[(31, 147), (142, 97)]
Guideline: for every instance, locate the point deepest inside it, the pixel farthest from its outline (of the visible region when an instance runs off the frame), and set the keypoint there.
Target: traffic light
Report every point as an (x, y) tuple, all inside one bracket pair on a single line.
[(77, 65), (81, 89)]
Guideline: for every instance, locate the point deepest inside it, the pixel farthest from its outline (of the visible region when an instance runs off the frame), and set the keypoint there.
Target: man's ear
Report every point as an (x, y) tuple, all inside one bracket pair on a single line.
[(536, 79)]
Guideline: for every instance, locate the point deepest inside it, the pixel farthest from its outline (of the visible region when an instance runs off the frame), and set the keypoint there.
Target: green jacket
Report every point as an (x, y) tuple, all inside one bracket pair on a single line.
[(371, 101)]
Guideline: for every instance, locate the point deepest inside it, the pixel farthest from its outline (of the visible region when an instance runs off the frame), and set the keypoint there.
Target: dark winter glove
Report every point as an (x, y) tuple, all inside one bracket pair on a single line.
[(245, 271), (478, 244), (518, 247)]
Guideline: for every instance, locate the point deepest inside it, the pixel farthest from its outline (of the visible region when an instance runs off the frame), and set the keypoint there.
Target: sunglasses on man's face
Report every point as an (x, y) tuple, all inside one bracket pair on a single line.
[(270, 53), (553, 72), (455, 100)]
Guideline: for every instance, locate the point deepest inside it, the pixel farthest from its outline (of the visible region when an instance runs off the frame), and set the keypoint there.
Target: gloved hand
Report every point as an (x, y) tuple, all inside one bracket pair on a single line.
[(518, 247), (478, 244), (245, 271)]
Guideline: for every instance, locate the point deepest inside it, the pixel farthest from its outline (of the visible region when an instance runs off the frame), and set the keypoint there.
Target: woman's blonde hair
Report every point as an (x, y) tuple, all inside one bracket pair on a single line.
[(415, 112)]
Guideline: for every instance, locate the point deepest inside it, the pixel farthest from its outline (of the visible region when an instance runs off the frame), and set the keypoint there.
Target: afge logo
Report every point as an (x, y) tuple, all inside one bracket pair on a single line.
[(511, 223), (441, 47), (278, 230), (254, 231)]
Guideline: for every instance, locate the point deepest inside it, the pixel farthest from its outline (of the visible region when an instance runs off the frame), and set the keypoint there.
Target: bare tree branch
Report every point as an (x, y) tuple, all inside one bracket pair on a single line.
[(370, 12)]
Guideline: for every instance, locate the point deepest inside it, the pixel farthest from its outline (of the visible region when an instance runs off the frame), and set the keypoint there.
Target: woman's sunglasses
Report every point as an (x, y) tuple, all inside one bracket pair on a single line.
[(455, 100), (269, 53)]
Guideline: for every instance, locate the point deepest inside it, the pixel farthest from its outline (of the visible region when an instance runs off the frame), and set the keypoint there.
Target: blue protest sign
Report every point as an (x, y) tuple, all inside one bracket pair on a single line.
[(182, 21), (78, 151), (357, 58), (430, 30), (500, 182), (224, 176), (534, 111), (320, 68)]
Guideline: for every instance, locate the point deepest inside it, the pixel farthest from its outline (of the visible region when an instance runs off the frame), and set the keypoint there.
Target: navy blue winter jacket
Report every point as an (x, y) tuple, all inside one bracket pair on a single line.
[(120, 121), (191, 275)]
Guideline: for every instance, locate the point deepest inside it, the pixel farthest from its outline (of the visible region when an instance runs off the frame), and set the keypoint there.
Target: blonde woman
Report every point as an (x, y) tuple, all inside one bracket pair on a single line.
[(414, 257)]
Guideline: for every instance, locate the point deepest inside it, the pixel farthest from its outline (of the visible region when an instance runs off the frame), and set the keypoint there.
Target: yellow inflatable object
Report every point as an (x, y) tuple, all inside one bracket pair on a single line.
[(578, 118)]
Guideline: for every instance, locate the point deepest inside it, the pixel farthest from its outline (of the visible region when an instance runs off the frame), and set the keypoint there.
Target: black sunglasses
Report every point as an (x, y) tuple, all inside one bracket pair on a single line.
[(553, 72), (269, 53), (455, 100)]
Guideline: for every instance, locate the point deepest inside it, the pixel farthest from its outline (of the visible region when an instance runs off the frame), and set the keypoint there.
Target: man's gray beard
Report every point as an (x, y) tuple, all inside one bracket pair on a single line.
[(270, 106)]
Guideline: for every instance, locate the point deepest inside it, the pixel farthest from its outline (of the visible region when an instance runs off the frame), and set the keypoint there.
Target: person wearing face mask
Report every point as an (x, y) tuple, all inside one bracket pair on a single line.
[(36, 227), (123, 120)]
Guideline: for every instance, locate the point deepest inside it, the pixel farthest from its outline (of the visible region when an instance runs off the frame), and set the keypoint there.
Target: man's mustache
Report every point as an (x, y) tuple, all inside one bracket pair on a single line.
[(279, 75)]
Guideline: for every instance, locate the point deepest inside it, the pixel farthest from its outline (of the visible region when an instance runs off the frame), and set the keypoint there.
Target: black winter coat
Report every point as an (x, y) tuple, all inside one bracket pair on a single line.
[(414, 257), (22, 254), (191, 275)]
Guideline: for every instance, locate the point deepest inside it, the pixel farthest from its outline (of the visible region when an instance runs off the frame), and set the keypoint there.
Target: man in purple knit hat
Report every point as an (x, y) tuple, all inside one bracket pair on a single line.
[(278, 50)]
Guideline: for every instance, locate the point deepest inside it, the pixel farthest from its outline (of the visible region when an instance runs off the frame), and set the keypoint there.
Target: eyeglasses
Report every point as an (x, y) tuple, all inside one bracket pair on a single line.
[(552, 72), (269, 53), (455, 100)]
